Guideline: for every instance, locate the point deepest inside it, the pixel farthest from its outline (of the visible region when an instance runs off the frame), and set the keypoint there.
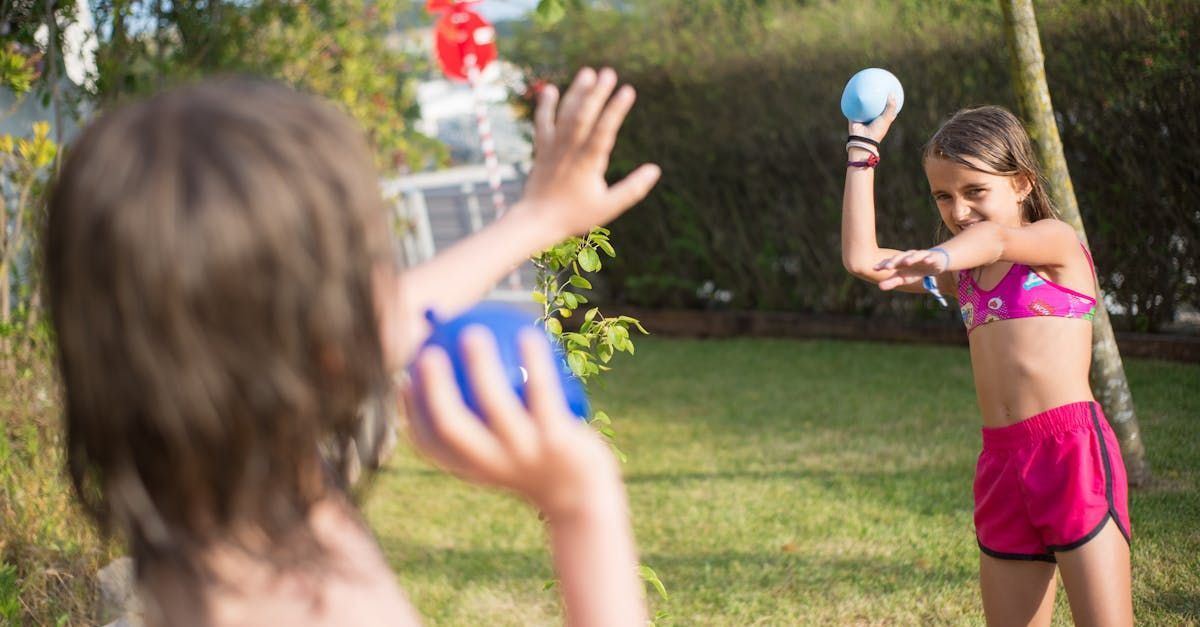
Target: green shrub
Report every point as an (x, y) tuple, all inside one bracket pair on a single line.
[(49, 553), (738, 101)]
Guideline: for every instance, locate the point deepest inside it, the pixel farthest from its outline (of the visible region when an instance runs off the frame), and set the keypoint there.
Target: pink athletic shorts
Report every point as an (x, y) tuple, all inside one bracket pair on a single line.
[(1049, 483)]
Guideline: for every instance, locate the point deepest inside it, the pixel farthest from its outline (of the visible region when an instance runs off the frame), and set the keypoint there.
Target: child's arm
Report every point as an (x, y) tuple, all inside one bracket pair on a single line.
[(861, 253), (546, 456), (1046, 243), (566, 194)]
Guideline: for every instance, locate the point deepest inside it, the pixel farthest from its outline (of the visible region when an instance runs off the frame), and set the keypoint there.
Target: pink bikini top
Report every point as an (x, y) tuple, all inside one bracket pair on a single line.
[(1022, 293)]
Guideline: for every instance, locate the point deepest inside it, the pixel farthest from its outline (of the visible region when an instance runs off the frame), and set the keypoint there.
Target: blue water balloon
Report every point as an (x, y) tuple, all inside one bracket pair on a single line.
[(505, 322), (865, 96)]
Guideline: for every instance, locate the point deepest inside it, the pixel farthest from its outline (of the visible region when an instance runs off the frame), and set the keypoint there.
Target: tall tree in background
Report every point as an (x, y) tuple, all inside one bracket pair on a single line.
[(1107, 374)]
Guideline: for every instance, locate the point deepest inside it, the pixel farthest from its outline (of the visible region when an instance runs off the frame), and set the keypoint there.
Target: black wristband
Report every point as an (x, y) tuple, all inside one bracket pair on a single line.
[(863, 139)]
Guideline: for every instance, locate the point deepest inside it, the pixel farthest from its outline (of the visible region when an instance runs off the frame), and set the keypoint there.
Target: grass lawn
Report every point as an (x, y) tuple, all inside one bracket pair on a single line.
[(783, 482)]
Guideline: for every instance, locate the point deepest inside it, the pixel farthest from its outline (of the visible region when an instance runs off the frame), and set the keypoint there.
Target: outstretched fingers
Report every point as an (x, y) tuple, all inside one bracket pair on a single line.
[(584, 120), (898, 280), (903, 260), (574, 104), (631, 189), (603, 135), (543, 118)]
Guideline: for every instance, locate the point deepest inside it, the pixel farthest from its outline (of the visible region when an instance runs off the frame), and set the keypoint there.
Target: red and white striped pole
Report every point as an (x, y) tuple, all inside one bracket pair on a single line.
[(485, 136), (488, 143)]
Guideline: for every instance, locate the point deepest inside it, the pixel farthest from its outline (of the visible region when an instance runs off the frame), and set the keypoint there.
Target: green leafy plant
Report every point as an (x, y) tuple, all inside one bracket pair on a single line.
[(17, 71), (590, 345), (26, 161)]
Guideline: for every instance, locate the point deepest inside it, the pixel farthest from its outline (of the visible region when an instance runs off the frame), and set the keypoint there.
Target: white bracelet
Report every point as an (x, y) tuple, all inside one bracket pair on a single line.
[(864, 145)]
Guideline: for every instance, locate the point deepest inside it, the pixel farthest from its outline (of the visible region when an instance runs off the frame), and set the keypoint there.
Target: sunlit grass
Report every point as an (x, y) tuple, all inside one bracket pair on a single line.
[(784, 482)]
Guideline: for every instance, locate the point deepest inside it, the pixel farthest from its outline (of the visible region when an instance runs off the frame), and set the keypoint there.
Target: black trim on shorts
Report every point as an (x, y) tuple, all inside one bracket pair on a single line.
[(1024, 557), (1108, 475), (1084, 540), (1108, 493)]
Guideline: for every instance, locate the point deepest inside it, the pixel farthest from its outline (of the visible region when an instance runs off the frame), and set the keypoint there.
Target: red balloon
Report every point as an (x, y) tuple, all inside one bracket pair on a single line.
[(461, 33), (437, 6)]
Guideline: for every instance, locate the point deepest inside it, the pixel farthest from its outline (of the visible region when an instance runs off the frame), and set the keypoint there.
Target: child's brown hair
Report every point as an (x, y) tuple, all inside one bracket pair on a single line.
[(209, 256), (994, 137)]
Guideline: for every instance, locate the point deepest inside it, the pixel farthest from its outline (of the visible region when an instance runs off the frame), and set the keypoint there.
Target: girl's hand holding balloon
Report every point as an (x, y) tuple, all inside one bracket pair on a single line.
[(877, 129), (541, 452)]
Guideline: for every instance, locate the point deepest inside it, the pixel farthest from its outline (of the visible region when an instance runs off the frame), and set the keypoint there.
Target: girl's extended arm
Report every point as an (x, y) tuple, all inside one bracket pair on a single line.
[(861, 253), (543, 454), (1045, 243), (566, 194)]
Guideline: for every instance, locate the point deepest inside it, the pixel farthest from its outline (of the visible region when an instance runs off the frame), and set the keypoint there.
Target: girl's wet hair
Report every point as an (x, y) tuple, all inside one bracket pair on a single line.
[(209, 256), (992, 137)]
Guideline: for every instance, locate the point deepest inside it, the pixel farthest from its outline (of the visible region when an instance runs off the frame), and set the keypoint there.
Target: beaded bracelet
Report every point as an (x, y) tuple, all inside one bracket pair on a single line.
[(871, 162)]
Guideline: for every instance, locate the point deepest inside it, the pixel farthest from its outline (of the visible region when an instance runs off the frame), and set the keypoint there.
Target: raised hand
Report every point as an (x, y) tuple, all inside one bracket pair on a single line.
[(542, 453), (572, 144), (910, 267)]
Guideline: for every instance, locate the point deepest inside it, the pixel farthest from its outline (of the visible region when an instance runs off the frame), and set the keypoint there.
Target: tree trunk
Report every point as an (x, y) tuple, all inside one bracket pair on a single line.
[(1107, 374)]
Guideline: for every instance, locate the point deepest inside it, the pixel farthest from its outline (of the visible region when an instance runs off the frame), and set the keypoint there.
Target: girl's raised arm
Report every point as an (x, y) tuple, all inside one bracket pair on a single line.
[(566, 194), (860, 248)]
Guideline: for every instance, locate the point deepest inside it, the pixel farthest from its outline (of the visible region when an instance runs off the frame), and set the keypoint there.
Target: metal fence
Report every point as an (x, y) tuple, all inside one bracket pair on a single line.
[(437, 209)]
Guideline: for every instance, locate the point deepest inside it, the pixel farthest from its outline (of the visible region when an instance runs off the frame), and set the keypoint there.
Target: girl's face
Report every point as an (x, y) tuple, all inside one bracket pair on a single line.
[(966, 196)]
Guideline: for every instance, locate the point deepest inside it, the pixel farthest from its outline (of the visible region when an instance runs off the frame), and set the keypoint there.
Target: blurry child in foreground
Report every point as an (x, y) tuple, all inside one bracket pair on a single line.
[(220, 274)]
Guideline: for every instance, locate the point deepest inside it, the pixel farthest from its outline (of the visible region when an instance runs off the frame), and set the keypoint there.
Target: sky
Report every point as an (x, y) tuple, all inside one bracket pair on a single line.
[(496, 10)]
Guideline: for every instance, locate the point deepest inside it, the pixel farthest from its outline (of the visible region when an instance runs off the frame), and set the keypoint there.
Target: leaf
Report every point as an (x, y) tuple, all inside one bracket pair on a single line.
[(577, 339), (577, 360), (539, 297), (602, 418), (553, 327), (580, 282), (651, 577), (608, 249), (550, 12), (570, 299), (620, 454), (634, 321), (591, 314), (589, 260), (564, 312)]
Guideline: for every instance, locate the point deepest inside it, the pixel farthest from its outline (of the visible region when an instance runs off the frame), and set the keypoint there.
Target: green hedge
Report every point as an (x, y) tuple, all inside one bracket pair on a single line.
[(738, 101)]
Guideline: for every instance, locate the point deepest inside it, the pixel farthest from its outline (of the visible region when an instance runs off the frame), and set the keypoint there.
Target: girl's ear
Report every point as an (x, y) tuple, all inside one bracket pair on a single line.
[(1023, 184)]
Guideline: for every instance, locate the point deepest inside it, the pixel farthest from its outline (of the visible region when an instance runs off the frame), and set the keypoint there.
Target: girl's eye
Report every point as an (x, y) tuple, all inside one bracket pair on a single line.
[(975, 192)]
